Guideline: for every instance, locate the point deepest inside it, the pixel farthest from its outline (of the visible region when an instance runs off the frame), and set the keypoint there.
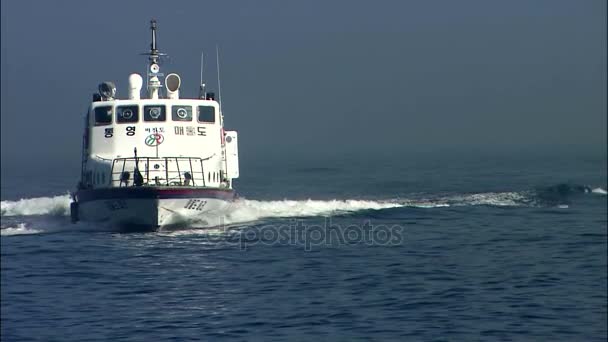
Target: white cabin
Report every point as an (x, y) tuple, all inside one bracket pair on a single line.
[(167, 140)]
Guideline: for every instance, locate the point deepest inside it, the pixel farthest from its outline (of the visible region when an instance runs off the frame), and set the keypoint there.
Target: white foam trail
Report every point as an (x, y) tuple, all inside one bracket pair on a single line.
[(217, 231), (426, 204), (244, 210), (21, 229), (57, 205), (499, 199)]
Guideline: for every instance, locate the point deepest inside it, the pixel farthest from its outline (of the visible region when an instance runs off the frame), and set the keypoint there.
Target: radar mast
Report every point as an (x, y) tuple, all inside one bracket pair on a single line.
[(153, 72)]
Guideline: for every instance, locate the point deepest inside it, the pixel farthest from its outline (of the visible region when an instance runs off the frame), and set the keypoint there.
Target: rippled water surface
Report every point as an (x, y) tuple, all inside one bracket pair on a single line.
[(448, 249)]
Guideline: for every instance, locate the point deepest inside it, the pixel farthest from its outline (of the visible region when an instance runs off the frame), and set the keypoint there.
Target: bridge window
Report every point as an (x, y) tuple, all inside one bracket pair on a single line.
[(206, 114), (103, 115), (181, 113), (154, 113), (127, 114)]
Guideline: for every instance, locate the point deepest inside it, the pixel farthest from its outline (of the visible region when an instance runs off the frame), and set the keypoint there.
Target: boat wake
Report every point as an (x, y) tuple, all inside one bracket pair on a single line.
[(20, 229), (51, 214), (56, 206)]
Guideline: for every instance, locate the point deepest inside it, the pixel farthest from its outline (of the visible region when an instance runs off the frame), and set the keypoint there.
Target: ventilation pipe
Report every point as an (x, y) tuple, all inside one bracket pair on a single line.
[(135, 83), (172, 83)]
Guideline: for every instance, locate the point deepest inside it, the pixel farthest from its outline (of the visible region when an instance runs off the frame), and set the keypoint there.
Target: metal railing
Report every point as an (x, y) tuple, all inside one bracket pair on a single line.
[(163, 171)]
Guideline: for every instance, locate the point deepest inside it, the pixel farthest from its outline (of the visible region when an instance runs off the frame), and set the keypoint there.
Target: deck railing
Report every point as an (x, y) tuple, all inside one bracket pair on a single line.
[(168, 171)]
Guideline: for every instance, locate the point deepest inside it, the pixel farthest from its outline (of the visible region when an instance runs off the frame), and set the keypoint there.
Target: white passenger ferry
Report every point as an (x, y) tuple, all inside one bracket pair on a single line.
[(154, 161)]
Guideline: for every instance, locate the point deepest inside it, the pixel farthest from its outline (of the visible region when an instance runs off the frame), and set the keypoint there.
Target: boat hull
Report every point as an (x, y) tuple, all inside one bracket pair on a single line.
[(152, 208)]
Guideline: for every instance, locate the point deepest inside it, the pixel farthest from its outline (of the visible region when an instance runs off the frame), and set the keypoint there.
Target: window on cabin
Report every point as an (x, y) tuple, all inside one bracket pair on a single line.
[(206, 114), (126, 114), (154, 113), (181, 113), (103, 115)]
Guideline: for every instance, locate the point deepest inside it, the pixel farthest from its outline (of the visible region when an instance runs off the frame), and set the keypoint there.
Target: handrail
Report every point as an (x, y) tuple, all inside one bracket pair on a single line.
[(156, 168)]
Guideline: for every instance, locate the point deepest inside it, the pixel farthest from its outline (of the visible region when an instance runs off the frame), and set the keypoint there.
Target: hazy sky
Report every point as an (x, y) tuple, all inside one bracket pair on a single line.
[(326, 77)]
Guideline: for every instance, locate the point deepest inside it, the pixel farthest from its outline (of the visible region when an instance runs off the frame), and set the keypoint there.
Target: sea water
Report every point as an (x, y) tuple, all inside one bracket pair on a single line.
[(342, 248)]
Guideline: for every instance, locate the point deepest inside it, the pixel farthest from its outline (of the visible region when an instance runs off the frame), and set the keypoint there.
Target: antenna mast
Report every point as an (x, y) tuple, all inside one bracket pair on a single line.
[(219, 86), (153, 72), (202, 60), (153, 49), (202, 94)]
